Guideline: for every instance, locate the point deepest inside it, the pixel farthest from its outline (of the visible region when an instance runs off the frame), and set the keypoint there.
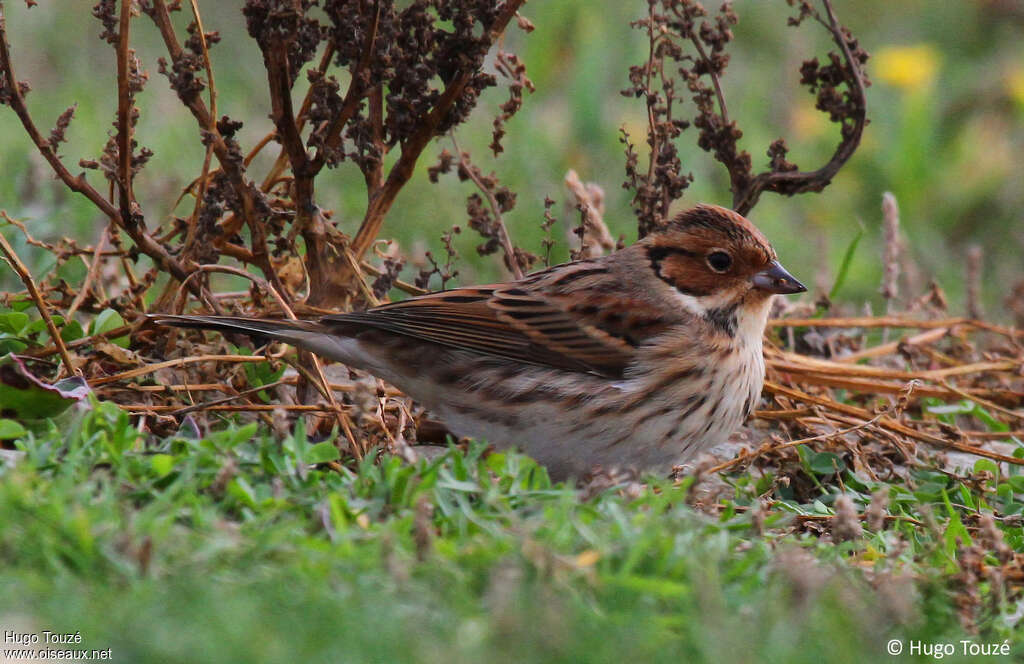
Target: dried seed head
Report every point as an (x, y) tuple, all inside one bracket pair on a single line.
[(846, 524), (974, 270), (877, 510), (891, 250)]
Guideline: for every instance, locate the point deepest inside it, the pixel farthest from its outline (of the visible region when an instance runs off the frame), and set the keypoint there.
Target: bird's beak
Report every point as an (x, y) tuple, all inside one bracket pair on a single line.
[(775, 279)]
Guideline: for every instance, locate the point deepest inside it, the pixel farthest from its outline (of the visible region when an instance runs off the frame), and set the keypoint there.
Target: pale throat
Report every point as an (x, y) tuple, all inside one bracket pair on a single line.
[(751, 319), (740, 315)]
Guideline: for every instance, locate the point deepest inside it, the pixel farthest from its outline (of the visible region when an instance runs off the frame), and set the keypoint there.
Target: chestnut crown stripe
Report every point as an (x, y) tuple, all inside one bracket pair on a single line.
[(727, 222)]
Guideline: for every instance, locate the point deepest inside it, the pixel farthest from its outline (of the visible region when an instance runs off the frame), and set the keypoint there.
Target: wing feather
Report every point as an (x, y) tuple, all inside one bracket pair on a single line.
[(588, 316)]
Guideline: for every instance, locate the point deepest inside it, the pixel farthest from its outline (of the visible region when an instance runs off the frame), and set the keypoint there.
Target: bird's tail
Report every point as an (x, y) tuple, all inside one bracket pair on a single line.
[(308, 335), (278, 329)]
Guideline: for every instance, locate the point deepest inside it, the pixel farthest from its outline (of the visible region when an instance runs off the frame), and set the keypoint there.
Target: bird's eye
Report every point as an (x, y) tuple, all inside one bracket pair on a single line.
[(719, 261)]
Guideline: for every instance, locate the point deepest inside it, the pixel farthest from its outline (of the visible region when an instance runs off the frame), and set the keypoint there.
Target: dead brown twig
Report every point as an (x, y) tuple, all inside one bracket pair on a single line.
[(413, 146), (133, 225), (849, 109), (44, 311), (499, 223)]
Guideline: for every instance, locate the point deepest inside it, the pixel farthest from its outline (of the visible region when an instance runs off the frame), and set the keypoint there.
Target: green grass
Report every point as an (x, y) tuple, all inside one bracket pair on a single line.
[(235, 547)]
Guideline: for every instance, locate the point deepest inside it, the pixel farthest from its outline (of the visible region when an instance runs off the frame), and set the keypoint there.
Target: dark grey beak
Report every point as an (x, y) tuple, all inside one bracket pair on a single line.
[(776, 280)]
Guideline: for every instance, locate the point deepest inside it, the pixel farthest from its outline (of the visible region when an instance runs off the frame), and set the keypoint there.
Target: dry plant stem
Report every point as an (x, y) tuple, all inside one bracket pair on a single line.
[(983, 402), (399, 284), (792, 363), (201, 31), (44, 311), (321, 378), (217, 402), (648, 76), (339, 413), (177, 362), (220, 387), (891, 254), (891, 347), (320, 381), (413, 146), (994, 435), (242, 186), (893, 321), (796, 182), (503, 238), (46, 351), (124, 111), (867, 386), (190, 238), (300, 122), (973, 277), (715, 80), (595, 239), (828, 517), (256, 408), (328, 277), (90, 275), (262, 283), (888, 423), (78, 184), (357, 269), (353, 96), (726, 465)]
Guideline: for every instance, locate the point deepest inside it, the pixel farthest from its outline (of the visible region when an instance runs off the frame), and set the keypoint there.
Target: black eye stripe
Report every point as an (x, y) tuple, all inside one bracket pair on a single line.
[(657, 254)]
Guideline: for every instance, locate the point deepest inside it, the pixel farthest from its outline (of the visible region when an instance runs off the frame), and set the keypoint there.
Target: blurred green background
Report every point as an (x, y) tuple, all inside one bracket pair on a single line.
[(945, 134)]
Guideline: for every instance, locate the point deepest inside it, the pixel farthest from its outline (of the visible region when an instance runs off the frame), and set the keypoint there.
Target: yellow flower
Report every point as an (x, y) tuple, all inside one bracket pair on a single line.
[(1015, 85), (911, 68), (805, 121)]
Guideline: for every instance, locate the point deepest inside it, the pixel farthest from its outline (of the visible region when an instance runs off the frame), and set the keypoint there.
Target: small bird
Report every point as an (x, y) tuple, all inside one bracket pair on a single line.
[(639, 359)]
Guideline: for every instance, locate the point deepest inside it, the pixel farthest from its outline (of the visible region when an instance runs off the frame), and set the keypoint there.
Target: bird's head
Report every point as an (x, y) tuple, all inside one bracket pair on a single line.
[(718, 263)]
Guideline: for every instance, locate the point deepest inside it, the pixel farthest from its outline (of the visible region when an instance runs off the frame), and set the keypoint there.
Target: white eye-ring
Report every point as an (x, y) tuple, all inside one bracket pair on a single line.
[(719, 261)]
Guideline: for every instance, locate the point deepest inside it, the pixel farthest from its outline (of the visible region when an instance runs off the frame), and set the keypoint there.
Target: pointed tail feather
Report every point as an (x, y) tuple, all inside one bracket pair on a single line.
[(263, 327), (307, 335)]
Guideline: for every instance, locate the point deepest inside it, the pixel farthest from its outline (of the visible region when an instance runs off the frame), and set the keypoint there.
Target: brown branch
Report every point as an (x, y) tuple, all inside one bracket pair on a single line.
[(78, 184), (300, 122), (262, 283), (192, 359), (221, 387), (204, 178), (874, 386), (796, 182), (398, 283), (217, 402), (414, 145), (229, 408), (282, 113), (888, 423), (44, 311), (894, 321), (124, 112), (206, 58), (353, 96), (323, 243), (231, 166), (773, 447), (499, 221), (90, 275), (715, 80), (47, 351)]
